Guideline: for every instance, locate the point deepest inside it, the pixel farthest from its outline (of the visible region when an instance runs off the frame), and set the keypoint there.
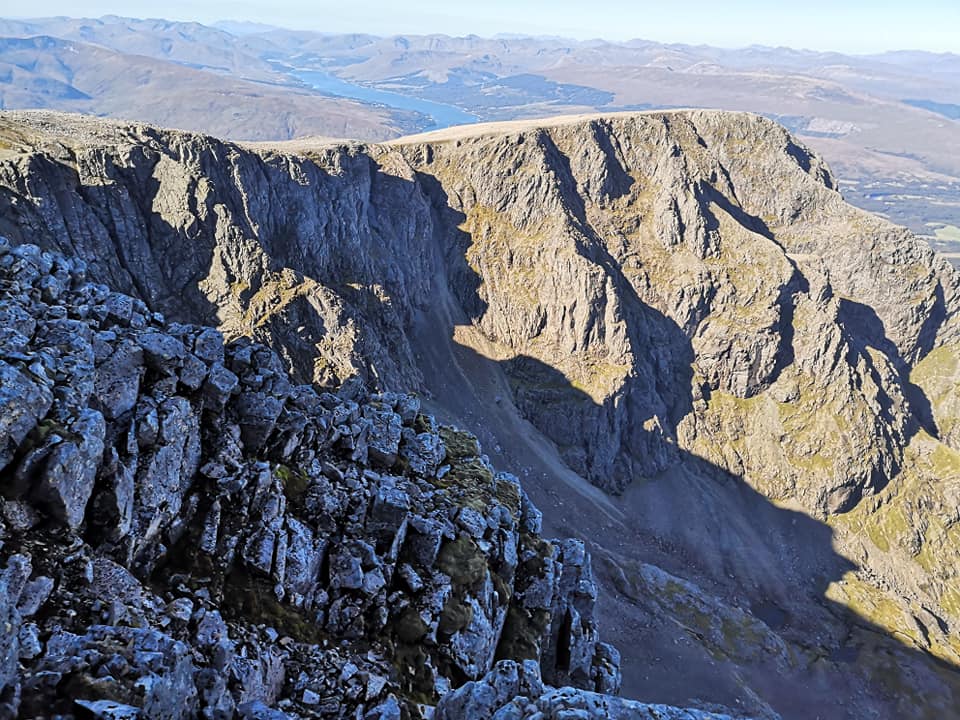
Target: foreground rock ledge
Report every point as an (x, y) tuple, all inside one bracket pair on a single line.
[(186, 533)]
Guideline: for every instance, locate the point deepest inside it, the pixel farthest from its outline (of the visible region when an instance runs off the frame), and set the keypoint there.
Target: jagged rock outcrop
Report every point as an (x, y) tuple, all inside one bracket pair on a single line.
[(187, 533), (674, 301), (514, 691)]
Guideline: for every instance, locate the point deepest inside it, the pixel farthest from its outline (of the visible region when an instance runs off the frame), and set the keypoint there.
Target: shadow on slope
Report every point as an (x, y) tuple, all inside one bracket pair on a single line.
[(755, 628), (865, 330)]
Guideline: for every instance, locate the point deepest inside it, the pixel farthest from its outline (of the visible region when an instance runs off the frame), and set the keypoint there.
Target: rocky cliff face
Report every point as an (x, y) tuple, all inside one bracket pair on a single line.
[(678, 307), (186, 533)]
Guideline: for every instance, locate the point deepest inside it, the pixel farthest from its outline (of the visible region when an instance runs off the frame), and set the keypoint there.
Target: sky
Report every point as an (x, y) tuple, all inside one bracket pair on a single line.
[(853, 26)]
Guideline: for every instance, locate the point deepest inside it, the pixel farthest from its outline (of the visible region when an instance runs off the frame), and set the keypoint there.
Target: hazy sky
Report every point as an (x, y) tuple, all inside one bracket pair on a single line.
[(845, 25)]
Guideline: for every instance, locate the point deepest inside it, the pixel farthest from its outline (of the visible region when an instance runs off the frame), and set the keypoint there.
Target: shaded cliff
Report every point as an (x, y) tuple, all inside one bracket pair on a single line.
[(678, 307)]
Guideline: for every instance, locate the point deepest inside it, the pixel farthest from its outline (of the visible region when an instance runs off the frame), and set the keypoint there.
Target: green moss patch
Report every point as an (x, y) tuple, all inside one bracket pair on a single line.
[(463, 561)]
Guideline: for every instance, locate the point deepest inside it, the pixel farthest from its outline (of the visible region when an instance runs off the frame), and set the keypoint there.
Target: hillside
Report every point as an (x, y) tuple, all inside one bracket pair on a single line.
[(45, 72), (736, 388)]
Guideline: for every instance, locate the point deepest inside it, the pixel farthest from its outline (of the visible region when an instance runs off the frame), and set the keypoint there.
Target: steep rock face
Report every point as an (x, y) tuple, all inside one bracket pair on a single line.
[(666, 294), (211, 539), (211, 233), (659, 288), (613, 256)]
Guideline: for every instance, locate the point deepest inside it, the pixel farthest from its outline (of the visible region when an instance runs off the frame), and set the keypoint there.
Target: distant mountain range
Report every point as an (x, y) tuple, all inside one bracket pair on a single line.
[(887, 123)]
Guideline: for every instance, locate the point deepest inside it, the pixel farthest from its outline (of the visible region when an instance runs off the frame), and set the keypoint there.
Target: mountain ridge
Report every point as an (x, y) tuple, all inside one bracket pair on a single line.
[(876, 120), (49, 72), (652, 301)]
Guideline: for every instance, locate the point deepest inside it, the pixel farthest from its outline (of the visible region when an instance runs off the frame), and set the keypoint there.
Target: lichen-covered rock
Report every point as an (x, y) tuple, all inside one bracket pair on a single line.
[(65, 482), (144, 668), (13, 577), (23, 402), (213, 542), (514, 691), (118, 379)]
